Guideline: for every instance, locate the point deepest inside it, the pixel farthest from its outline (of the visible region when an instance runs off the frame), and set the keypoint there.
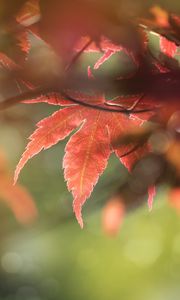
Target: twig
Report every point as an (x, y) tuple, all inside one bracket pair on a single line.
[(75, 58), (43, 91)]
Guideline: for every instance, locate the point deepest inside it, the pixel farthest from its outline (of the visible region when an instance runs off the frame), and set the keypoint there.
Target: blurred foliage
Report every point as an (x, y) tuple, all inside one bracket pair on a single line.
[(53, 258)]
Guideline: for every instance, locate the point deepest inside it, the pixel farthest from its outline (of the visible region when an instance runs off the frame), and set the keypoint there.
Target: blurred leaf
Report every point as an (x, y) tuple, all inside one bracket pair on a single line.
[(16, 197)]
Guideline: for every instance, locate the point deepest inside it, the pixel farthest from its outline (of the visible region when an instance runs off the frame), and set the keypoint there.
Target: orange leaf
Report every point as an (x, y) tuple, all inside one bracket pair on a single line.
[(19, 200), (88, 150), (16, 197)]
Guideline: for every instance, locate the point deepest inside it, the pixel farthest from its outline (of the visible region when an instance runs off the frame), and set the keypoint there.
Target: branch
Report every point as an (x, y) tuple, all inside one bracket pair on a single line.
[(46, 90)]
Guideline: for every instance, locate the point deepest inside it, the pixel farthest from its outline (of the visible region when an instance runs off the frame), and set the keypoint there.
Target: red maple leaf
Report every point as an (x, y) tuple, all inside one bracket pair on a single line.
[(28, 13), (28, 17), (168, 47), (7, 62), (105, 47), (88, 150)]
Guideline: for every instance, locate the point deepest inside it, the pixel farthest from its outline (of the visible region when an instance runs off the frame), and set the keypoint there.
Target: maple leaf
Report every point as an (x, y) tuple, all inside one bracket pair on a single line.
[(28, 16), (23, 41), (29, 13), (115, 209), (167, 47), (7, 62), (105, 47), (89, 148), (65, 22), (16, 197), (19, 200)]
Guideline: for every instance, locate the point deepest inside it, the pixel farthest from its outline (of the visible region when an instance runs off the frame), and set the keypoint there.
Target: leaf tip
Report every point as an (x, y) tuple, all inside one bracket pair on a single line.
[(89, 72), (151, 195), (16, 175), (78, 214), (80, 220)]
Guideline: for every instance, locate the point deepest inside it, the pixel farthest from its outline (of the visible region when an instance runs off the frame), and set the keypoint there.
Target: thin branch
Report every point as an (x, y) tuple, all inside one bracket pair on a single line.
[(104, 107), (22, 97), (78, 54), (43, 91)]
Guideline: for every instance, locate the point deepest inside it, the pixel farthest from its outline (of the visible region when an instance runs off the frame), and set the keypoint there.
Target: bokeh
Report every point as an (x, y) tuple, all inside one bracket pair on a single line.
[(51, 258)]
